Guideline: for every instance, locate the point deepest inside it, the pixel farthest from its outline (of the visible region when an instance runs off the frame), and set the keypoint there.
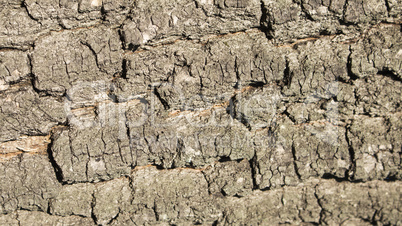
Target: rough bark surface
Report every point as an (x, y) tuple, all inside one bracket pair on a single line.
[(213, 112)]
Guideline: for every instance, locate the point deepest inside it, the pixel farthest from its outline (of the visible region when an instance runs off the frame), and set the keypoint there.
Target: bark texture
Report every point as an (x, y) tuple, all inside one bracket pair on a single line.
[(213, 112)]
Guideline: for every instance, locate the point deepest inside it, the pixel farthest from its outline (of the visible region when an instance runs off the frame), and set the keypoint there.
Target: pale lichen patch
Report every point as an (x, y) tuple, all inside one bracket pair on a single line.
[(96, 3)]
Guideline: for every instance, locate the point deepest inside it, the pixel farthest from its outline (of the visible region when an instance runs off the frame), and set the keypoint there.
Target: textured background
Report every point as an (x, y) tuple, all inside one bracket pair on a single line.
[(200, 112)]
